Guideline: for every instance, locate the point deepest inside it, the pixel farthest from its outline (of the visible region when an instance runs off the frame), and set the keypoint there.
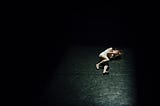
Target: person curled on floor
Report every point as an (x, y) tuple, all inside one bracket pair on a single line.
[(106, 56)]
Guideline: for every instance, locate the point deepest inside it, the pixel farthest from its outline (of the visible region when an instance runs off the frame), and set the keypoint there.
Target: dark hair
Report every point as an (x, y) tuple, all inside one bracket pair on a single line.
[(120, 53)]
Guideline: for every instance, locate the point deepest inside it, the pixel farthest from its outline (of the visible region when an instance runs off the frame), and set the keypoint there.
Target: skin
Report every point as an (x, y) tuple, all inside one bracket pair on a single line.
[(106, 58)]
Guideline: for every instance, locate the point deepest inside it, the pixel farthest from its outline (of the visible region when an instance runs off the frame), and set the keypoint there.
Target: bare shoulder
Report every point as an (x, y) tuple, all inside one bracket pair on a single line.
[(110, 48)]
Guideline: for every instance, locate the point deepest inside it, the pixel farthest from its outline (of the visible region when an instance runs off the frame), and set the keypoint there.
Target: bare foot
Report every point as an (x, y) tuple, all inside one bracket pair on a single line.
[(97, 66), (105, 72)]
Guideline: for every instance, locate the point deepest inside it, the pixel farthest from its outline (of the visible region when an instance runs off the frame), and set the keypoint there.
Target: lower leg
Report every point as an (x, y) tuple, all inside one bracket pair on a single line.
[(105, 69), (98, 64)]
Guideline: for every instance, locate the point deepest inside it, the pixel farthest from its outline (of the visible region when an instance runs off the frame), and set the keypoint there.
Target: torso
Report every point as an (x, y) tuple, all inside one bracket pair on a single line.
[(106, 53)]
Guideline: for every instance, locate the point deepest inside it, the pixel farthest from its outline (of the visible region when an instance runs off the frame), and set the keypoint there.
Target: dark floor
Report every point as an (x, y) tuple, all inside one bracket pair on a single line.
[(76, 81)]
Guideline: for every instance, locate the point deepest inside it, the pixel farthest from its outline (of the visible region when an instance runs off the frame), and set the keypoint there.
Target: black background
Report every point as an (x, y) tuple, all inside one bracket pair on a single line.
[(48, 27)]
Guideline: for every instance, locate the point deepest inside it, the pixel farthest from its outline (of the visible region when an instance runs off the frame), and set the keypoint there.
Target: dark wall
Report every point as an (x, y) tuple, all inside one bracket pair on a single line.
[(45, 33), (107, 25), (110, 24), (100, 26)]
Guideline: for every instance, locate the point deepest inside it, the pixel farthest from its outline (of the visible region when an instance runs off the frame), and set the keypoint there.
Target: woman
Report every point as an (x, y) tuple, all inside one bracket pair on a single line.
[(106, 56)]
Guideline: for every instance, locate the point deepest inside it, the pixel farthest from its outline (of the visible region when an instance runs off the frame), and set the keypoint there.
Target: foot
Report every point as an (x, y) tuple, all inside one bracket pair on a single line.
[(105, 72), (97, 66)]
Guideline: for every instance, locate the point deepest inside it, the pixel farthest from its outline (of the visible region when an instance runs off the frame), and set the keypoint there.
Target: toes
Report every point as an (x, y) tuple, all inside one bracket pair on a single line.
[(105, 72)]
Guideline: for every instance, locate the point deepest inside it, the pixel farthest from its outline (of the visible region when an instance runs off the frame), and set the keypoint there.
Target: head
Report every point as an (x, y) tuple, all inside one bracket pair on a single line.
[(117, 53)]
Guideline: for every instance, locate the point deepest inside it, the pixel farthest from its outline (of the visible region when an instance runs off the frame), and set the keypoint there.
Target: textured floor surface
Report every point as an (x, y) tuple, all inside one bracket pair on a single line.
[(76, 81)]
